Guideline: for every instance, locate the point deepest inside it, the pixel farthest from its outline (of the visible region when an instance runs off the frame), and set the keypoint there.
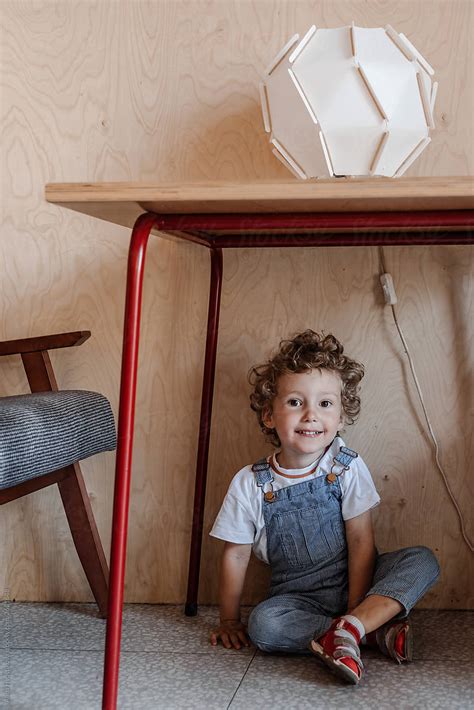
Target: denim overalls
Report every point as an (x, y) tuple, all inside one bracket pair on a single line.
[(307, 553)]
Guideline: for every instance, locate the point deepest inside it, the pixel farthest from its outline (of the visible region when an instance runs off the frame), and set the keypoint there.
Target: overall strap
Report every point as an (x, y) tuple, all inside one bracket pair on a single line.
[(346, 455), (341, 463), (263, 472), (263, 476)]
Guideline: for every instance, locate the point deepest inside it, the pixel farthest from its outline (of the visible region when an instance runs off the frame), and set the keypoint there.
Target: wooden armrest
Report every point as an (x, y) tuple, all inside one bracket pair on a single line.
[(43, 342)]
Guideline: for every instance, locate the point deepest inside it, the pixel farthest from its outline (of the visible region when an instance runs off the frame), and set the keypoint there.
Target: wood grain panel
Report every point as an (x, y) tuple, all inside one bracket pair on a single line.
[(168, 92), (337, 290)]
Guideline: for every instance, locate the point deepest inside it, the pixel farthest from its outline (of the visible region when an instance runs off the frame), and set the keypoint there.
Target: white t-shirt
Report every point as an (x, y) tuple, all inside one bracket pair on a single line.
[(240, 518)]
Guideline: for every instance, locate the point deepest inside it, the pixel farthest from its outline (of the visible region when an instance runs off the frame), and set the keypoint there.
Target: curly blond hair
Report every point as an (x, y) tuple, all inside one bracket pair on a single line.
[(306, 351)]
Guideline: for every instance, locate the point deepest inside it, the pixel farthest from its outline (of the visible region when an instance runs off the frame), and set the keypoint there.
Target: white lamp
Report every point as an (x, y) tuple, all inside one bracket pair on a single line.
[(348, 101)]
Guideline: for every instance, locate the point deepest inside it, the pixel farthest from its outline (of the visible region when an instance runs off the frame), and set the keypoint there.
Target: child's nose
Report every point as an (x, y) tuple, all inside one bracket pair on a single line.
[(310, 414)]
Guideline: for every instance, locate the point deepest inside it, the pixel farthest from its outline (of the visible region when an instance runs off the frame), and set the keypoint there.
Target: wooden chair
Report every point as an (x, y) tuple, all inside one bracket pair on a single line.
[(45, 434)]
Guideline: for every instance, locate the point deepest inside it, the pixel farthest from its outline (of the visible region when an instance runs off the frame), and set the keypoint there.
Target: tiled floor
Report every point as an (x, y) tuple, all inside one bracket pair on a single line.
[(51, 657)]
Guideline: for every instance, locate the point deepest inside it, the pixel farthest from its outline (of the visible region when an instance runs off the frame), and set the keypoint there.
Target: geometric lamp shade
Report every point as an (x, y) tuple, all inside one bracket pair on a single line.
[(348, 101)]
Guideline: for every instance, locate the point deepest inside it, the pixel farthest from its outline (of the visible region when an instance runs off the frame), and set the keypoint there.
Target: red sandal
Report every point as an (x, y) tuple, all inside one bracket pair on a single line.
[(339, 649), (395, 640)]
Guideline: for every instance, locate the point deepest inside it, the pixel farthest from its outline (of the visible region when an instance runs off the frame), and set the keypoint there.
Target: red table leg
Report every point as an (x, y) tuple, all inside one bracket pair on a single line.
[(204, 430), (136, 262)]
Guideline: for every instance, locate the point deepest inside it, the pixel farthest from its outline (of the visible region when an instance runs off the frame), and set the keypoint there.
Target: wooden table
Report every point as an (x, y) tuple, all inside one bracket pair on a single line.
[(338, 212)]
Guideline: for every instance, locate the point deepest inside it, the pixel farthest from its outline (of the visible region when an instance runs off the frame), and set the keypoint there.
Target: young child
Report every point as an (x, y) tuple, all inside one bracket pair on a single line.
[(306, 510)]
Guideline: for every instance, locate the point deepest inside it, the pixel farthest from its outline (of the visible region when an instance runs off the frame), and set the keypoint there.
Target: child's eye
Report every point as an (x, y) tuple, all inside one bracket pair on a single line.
[(295, 402), (326, 403)]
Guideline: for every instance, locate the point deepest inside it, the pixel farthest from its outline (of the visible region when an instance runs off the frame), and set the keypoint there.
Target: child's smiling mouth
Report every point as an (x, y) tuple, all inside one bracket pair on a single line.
[(309, 432)]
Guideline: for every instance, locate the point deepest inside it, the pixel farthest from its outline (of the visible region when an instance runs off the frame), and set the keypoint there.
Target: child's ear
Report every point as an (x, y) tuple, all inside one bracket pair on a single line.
[(267, 418)]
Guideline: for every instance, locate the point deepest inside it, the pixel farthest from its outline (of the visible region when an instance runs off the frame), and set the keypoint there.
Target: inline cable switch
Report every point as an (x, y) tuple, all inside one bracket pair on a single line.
[(388, 288)]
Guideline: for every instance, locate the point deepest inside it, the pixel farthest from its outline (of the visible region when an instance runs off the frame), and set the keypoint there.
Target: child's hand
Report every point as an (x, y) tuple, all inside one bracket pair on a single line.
[(232, 633)]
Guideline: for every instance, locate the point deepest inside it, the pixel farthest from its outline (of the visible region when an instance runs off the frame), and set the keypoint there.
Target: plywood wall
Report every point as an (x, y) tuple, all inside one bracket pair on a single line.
[(168, 90)]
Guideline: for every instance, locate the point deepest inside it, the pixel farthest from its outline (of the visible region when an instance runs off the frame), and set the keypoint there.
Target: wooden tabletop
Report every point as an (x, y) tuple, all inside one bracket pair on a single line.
[(122, 202)]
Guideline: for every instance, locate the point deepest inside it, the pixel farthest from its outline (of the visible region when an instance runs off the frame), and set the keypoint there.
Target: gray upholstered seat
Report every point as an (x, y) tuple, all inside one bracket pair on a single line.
[(46, 431), (44, 436)]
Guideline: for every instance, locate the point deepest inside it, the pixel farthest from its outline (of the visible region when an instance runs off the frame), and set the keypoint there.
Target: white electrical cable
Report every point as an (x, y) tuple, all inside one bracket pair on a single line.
[(430, 428)]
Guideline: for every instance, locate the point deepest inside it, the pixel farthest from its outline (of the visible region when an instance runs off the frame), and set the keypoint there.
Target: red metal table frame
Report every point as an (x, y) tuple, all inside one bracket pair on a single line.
[(217, 232)]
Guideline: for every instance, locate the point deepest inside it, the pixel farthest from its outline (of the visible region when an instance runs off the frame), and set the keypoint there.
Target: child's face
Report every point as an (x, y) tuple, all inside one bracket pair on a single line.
[(306, 414)]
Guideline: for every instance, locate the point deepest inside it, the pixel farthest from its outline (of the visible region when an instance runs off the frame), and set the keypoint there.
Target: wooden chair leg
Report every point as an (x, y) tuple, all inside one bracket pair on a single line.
[(85, 535), (39, 372)]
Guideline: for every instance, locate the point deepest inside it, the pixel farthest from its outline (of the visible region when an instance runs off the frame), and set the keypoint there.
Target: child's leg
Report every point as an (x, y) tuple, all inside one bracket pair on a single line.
[(375, 610), (401, 578), (286, 623), (393, 638)]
